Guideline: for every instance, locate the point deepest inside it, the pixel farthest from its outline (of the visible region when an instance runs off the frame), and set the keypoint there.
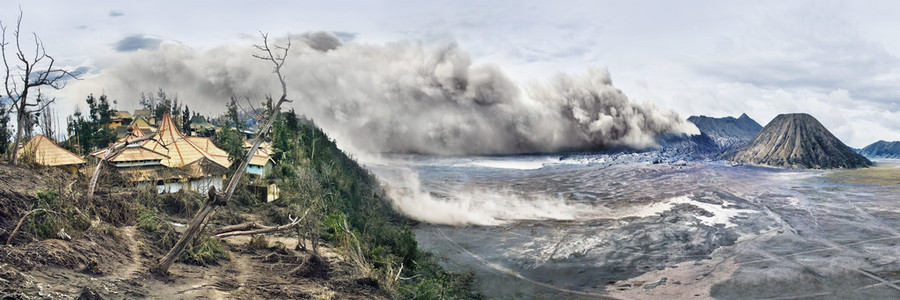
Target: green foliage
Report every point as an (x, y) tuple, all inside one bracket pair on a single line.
[(232, 115), (58, 214), (90, 132), (436, 283), (204, 251), (161, 233), (258, 242), (232, 141), (315, 174), (183, 203), (148, 221), (186, 121)]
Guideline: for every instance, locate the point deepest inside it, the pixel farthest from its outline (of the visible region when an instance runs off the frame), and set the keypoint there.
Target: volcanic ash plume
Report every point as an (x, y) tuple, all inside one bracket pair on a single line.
[(402, 97)]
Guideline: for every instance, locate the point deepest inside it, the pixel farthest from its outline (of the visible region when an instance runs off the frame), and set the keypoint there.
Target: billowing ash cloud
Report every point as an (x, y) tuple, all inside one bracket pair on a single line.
[(402, 97)]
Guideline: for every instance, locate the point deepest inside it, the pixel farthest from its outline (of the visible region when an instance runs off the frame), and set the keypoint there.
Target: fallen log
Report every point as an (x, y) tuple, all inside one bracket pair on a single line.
[(269, 54), (241, 229)]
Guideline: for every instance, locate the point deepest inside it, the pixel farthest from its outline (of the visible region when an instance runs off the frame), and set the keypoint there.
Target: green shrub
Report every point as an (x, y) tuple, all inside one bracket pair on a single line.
[(184, 203), (45, 224), (258, 242), (148, 221), (162, 234), (204, 251)]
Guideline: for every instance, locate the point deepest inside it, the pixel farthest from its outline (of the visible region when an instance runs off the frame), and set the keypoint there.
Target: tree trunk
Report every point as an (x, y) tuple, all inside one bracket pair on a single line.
[(193, 228), (20, 122), (163, 267), (112, 150)]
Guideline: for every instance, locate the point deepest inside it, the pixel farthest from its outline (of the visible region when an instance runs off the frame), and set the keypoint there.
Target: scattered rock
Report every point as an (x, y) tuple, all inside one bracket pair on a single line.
[(651, 286)]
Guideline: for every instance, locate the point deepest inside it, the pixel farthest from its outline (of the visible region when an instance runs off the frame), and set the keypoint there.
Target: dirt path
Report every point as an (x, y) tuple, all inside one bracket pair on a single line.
[(136, 263)]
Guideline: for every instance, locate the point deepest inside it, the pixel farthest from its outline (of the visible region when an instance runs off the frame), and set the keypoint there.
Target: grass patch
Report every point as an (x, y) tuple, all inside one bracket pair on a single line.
[(204, 251), (884, 174), (258, 242)]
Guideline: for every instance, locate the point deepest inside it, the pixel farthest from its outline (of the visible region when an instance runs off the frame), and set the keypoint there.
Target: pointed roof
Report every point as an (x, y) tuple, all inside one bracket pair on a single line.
[(122, 114), (180, 149), (207, 145), (48, 153), (174, 148), (143, 124), (133, 133), (200, 122), (263, 154), (142, 113)]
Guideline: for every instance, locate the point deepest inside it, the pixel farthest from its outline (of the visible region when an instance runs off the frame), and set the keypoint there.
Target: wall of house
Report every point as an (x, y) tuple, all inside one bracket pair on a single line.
[(200, 185), (256, 170)]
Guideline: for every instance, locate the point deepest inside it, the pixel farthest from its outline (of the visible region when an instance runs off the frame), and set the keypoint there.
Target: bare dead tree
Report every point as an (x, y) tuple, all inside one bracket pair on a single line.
[(25, 72), (276, 54)]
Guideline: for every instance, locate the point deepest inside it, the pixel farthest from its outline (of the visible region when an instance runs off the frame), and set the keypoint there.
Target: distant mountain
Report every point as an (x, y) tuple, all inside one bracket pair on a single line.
[(882, 149), (727, 132), (797, 141)]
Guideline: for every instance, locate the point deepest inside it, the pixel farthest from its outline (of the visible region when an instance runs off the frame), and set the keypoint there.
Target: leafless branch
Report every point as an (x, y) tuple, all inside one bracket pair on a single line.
[(29, 72), (162, 267), (242, 229), (22, 220)]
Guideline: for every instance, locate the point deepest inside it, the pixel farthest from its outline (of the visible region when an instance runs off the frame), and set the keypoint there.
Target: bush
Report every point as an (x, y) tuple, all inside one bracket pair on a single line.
[(184, 203), (161, 233), (58, 215), (204, 251), (258, 242)]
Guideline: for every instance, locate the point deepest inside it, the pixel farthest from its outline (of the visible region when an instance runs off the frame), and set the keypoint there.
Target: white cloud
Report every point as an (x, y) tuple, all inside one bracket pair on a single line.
[(835, 59)]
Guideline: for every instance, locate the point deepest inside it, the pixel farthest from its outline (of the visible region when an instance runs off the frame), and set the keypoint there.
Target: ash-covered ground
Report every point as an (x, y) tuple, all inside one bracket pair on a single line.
[(620, 226)]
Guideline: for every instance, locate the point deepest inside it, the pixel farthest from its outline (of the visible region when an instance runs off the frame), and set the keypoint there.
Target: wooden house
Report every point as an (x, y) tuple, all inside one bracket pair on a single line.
[(43, 151), (170, 160)]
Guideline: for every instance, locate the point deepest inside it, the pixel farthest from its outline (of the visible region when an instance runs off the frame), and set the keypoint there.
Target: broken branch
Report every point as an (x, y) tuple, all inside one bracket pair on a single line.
[(22, 220), (110, 152), (233, 230)]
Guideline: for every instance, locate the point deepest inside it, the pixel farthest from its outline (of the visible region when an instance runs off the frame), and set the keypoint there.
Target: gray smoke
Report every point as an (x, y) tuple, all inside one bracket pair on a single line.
[(401, 97)]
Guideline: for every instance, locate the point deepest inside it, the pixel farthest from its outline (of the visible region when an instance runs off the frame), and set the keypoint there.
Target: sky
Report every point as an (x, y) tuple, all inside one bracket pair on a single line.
[(837, 60)]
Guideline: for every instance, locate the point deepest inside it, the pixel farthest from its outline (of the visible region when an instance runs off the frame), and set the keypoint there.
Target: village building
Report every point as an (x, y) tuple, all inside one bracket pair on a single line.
[(119, 118), (43, 151), (201, 127), (144, 125), (262, 163), (260, 166), (147, 115), (170, 160)]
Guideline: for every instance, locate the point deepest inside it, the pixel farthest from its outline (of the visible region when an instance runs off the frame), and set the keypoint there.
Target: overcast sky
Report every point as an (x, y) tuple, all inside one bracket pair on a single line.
[(837, 60)]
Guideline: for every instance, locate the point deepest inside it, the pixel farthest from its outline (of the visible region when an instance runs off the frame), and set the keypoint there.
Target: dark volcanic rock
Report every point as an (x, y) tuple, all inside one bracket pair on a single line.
[(882, 149), (728, 132), (797, 141)]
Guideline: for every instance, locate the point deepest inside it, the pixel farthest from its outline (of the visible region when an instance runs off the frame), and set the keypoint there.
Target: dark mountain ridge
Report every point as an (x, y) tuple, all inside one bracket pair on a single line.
[(882, 149), (727, 132), (797, 141)]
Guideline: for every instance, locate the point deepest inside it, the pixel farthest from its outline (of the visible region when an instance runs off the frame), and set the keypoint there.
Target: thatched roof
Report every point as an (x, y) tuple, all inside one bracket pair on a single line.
[(176, 149), (137, 154), (143, 113), (121, 114), (200, 123), (45, 152), (263, 154), (143, 124)]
